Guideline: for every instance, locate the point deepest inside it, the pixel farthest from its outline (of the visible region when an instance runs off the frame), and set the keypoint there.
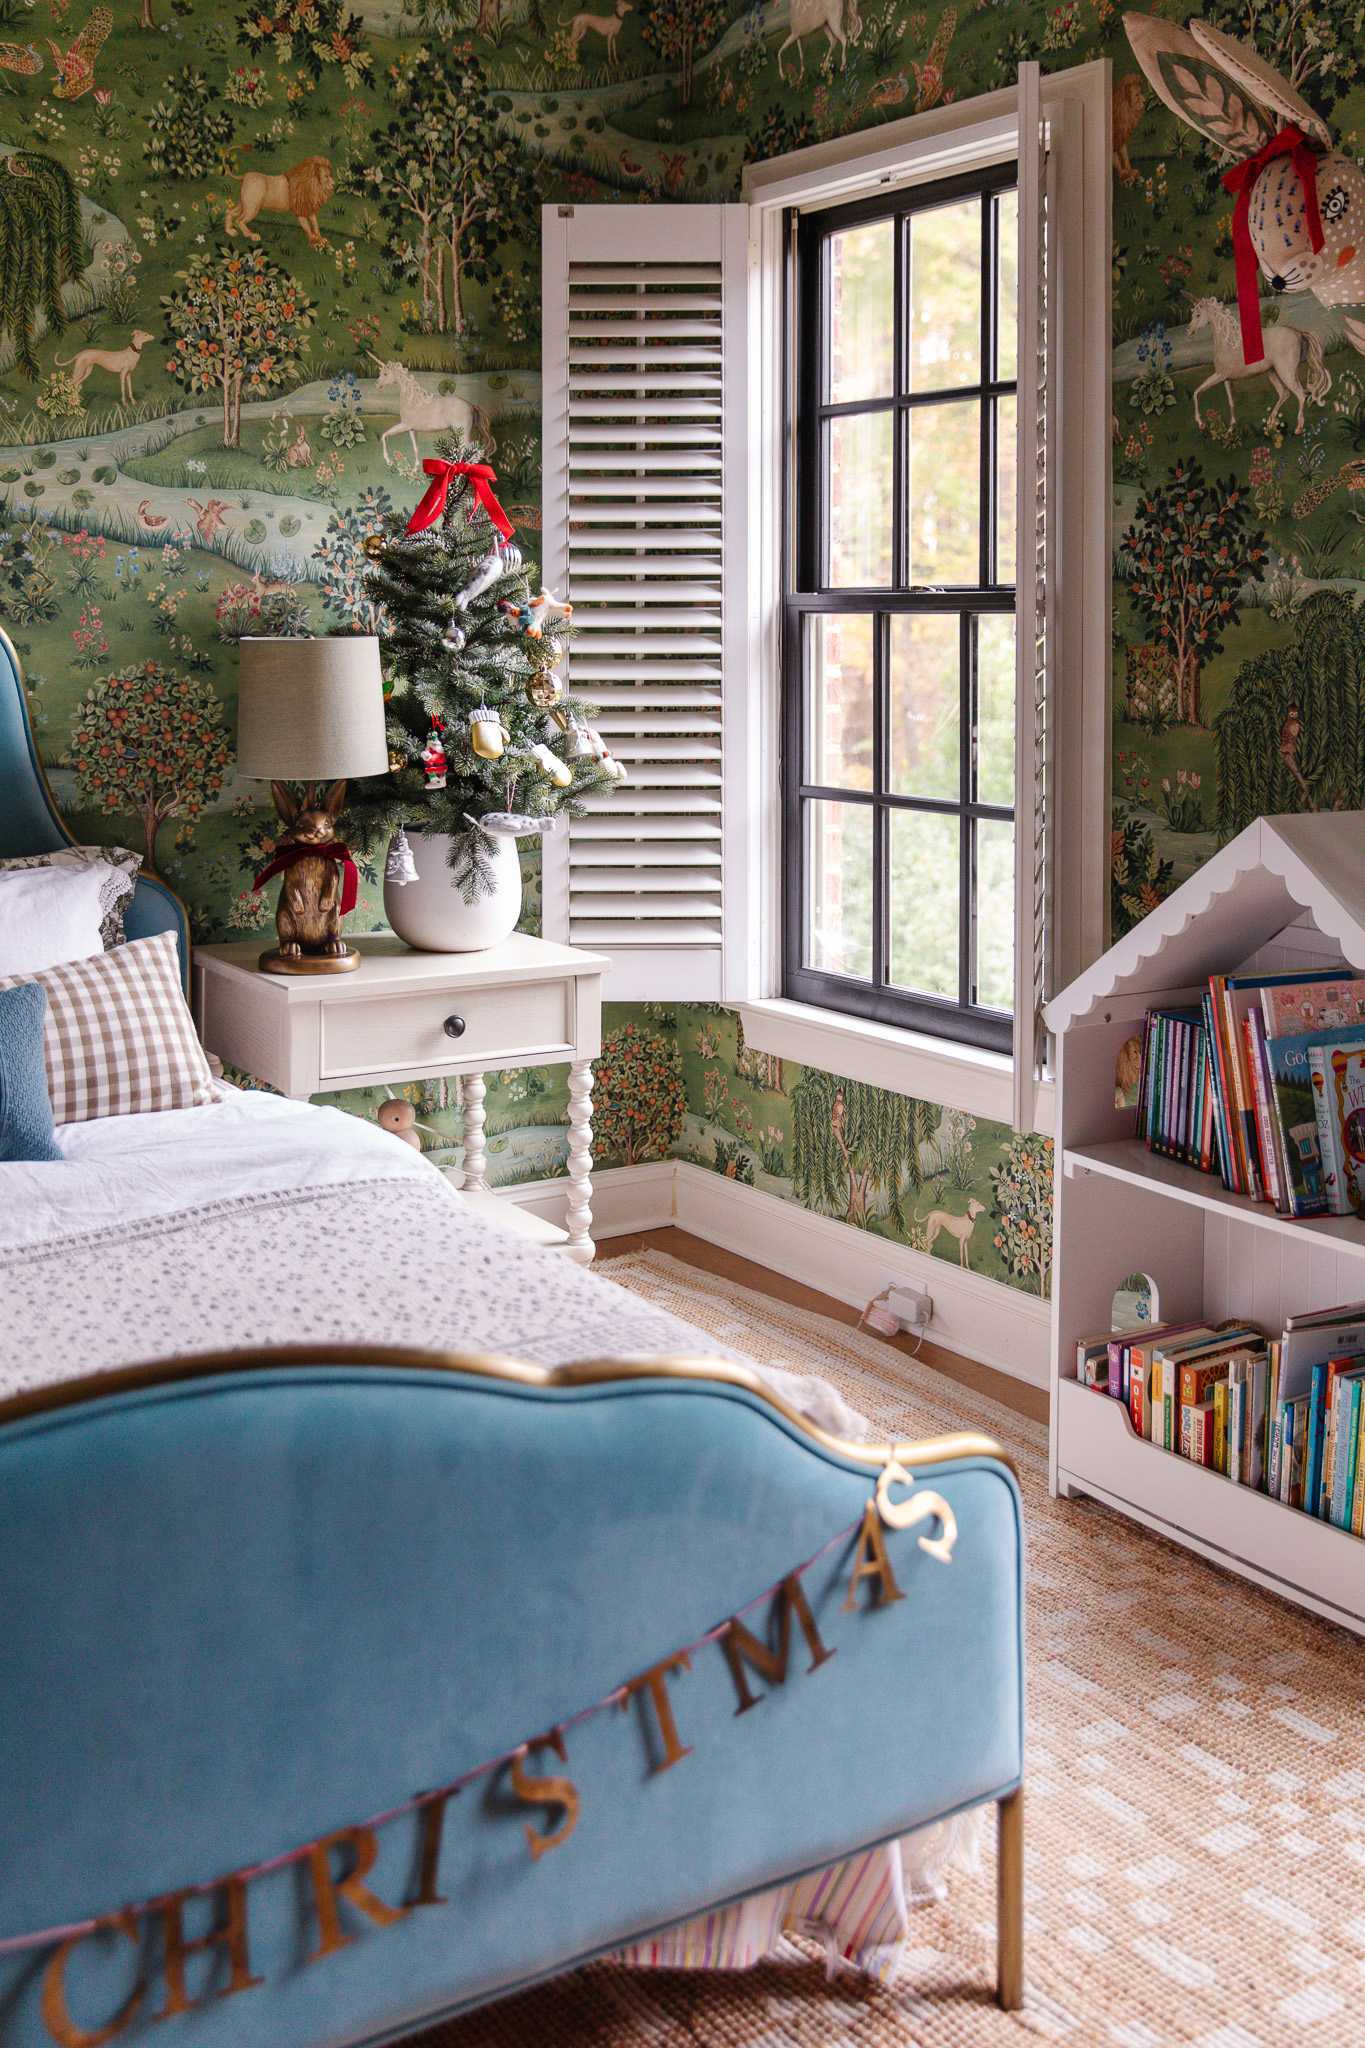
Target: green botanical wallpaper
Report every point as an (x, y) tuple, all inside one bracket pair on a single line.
[(236, 238)]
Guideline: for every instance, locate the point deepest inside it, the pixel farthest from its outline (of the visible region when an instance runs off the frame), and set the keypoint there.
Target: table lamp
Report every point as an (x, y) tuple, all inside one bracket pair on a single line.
[(311, 711)]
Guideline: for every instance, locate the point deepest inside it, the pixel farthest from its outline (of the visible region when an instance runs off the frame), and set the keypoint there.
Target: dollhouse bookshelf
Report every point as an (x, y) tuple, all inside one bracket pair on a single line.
[(1287, 893)]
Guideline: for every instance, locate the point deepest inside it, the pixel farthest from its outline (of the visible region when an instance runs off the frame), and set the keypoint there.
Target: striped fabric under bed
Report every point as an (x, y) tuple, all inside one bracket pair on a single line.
[(119, 1037), (857, 1908)]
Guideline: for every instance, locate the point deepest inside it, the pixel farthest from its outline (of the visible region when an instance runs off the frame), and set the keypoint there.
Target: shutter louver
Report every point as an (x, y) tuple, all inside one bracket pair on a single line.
[(639, 528), (1032, 641)]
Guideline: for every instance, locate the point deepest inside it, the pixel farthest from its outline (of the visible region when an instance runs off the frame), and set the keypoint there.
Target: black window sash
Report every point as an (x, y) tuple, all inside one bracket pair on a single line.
[(807, 300)]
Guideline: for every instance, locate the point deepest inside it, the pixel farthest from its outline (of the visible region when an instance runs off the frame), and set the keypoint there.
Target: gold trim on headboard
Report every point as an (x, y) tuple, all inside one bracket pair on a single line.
[(484, 1365)]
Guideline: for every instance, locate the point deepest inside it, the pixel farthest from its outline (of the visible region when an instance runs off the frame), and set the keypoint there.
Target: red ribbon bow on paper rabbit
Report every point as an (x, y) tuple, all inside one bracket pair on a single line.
[(333, 850), (480, 474), (1290, 142)]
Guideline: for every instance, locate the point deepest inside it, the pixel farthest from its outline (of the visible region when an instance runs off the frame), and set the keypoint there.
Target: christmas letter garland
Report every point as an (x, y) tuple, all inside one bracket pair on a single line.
[(556, 1792)]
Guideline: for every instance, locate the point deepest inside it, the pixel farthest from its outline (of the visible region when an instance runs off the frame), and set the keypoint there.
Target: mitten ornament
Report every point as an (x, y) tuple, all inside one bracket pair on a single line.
[(559, 772), (487, 734)]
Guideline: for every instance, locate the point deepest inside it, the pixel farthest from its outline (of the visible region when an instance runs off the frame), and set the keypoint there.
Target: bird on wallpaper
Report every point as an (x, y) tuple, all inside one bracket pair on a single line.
[(76, 65), (25, 58)]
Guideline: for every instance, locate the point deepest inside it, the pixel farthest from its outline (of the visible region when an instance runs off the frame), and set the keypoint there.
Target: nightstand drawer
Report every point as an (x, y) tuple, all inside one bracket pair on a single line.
[(503, 1023)]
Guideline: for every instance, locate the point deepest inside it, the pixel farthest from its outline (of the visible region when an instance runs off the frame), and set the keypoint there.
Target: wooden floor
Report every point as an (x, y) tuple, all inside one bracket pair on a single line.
[(713, 1258)]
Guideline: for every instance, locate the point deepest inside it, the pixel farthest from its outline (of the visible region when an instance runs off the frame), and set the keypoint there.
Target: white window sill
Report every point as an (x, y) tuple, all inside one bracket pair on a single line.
[(909, 1062)]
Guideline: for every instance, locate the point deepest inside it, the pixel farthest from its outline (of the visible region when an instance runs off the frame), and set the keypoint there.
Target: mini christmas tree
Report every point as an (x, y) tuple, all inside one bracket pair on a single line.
[(479, 726)]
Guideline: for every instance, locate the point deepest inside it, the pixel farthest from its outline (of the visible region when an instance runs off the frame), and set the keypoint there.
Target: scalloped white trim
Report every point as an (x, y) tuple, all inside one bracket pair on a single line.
[(1319, 857)]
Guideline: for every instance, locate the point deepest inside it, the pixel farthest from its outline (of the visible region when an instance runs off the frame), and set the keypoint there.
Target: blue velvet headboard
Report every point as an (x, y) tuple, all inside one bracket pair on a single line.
[(31, 823)]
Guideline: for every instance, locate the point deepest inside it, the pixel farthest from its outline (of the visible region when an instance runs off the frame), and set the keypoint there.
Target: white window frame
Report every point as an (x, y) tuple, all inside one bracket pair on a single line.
[(1076, 105)]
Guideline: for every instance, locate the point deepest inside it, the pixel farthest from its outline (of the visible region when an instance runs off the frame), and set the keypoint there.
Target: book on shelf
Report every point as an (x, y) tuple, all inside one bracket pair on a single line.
[(1264, 1084), (1283, 1416)]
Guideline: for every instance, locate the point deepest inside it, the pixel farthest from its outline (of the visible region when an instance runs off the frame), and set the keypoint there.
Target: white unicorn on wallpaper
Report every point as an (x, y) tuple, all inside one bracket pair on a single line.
[(429, 412), (1280, 362)]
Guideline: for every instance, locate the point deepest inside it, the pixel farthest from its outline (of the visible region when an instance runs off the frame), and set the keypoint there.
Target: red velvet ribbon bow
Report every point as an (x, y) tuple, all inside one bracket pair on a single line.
[(480, 474), (1290, 142), (333, 850)]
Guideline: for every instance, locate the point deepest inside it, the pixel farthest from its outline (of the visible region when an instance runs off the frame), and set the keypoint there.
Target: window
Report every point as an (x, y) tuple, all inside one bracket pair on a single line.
[(899, 622), (669, 522)]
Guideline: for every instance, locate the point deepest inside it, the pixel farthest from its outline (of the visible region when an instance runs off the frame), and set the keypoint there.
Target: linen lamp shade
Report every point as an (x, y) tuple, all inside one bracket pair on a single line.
[(311, 710)]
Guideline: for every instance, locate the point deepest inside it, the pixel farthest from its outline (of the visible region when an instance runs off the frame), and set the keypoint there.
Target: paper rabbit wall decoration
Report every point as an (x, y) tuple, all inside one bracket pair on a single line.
[(1300, 211)]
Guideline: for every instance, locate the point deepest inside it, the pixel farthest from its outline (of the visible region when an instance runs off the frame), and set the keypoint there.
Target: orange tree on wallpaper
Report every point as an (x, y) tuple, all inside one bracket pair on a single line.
[(638, 1096), (150, 740), (850, 1140), (453, 187), (1191, 549), (1023, 1208), (677, 28), (236, 324)]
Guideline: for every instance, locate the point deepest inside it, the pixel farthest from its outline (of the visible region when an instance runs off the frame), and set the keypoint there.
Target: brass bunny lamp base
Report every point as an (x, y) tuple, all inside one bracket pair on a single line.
[(317, 889)]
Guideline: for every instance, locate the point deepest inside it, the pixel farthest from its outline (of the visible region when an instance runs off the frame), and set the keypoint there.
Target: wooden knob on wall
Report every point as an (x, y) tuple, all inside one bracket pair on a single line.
[(454, 1027)]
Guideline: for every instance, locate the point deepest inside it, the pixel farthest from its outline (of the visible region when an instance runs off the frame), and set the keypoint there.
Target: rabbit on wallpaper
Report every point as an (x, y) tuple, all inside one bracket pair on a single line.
[(1300, 213)]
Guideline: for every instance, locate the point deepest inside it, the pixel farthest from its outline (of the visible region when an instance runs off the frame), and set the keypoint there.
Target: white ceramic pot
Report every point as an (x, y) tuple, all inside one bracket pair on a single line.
[(431, 913)]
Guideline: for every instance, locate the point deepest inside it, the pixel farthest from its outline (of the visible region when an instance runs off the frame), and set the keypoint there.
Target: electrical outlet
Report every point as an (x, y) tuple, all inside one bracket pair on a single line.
[(911, 1304)]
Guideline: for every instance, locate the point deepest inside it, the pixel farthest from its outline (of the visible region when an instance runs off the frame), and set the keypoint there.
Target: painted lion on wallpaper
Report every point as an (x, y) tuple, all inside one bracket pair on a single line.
[(302, 191)]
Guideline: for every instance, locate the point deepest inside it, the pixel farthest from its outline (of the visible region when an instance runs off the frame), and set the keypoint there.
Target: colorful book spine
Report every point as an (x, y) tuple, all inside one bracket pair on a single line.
[(1336, 1181), (1197, 1433), (1358, 1509), (1312, 1467), (1225, 1154), (1220, 1426), (1267, 1123)]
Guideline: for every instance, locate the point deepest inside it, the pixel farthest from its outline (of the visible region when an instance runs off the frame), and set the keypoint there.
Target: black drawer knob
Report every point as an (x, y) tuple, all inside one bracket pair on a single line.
[(454, 1027)]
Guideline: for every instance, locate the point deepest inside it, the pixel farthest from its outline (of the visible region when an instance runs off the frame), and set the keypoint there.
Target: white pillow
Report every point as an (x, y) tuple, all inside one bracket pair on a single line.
[(57, 909)]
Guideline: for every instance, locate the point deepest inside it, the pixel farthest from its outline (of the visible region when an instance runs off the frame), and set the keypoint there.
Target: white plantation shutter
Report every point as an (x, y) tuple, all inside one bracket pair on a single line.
[(1033, 626), (645, 522)]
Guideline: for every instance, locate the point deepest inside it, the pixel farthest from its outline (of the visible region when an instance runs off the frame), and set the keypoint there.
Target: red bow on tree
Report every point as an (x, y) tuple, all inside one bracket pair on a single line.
[(1290, 142), (333, 850), (480, 474)]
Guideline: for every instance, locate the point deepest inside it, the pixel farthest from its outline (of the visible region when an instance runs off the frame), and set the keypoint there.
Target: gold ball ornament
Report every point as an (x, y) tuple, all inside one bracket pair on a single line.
[(374, 545), (397, 762), (544, 688)]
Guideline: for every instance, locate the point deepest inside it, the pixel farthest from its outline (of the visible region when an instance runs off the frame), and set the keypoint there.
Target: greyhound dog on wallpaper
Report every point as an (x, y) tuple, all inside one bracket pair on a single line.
[(1300, 212)]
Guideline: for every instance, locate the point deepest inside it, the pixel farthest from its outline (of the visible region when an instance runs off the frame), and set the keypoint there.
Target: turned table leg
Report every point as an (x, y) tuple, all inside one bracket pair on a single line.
[(475, 1158), (579, 1218)]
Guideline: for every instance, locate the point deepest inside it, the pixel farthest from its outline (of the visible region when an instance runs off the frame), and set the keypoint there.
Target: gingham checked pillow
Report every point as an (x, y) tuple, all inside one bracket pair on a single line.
[(119, 1036)]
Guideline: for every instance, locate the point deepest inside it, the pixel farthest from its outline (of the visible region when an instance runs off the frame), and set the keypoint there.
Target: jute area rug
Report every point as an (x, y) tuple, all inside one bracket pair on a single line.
[(1195, 1812)]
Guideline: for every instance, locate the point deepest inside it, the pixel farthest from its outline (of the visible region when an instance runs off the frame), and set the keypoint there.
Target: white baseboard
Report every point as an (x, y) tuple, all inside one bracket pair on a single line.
[(624, 1198), (976, 1317)]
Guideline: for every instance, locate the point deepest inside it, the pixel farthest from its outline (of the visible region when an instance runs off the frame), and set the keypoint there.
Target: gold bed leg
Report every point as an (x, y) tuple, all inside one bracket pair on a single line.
[(1009, 1902)]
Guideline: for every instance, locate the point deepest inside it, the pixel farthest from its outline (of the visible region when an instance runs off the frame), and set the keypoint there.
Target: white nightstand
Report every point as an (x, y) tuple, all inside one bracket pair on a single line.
[(406, 1016)]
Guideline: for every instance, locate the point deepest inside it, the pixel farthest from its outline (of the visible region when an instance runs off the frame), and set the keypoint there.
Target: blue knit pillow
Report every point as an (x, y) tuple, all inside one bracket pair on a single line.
[(25, 1108)]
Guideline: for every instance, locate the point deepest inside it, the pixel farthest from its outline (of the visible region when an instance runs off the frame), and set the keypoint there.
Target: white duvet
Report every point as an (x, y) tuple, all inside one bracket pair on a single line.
[(121, 1169)]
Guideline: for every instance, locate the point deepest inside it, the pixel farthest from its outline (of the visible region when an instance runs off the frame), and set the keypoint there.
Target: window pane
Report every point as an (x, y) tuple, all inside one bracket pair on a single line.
[(994, 915), (1007, 287), (995, 710), (839, 733), (926, 704), (1006, 472), (944, 492), (839, 888), (945, 297), (924, 903), (860, 501), (862, 313)]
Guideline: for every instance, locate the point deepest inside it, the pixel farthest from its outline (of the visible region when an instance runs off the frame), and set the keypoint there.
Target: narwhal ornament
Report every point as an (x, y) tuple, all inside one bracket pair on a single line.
[(1300, 211)]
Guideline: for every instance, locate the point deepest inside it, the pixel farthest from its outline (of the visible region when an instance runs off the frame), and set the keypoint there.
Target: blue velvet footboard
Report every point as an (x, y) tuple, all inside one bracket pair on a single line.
[(245, 1609)]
